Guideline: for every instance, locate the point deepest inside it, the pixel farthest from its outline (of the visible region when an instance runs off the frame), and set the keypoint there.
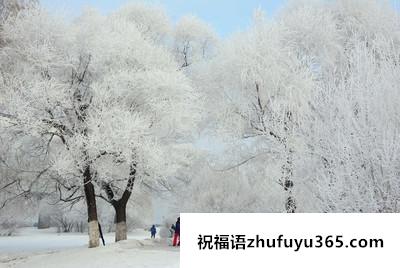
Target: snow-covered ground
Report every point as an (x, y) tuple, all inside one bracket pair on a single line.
[(45, 248)]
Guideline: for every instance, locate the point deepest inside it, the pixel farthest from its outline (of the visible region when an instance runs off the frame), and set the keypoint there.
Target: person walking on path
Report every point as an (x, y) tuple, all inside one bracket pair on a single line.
[(153, 231), (177, 239)]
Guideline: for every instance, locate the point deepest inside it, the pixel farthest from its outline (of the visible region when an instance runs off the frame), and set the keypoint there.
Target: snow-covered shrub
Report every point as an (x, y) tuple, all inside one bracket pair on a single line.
[(69, 219)]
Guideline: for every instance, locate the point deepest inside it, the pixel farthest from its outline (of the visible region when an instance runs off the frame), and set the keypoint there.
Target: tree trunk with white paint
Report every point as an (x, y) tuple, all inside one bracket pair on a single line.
[(121, 229), (93, 223)]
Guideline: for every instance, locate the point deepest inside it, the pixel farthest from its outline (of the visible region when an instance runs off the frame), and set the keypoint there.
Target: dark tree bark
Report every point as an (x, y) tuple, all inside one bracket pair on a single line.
[(93, 224), (287, 167), (101, 235), (121, 230), (287, 170)]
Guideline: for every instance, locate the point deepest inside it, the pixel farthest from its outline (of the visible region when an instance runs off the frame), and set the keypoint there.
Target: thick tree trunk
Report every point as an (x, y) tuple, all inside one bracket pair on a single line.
[(94, 235), (121, 230), (93, 223), (43, 221)]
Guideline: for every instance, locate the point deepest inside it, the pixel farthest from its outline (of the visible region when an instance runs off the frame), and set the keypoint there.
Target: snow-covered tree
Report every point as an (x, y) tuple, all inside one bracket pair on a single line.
[(151, 20), (194, 41), (352, 136), (309, 92), (264, 89), (107, 106), (10, 8)]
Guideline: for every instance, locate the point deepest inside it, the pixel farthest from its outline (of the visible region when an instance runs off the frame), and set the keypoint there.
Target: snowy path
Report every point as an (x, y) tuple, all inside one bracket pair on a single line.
[(46, 249), (33, 240)]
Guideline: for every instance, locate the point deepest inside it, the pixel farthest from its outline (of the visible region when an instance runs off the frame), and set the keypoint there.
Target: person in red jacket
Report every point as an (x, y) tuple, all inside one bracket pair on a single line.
[(177, 241)]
